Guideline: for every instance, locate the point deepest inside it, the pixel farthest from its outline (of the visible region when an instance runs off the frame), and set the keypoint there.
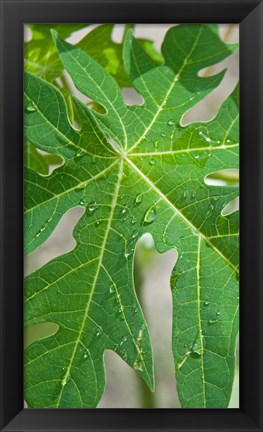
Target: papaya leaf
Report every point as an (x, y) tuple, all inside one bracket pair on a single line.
[(34, 160), (100, 46), (134, 169), (41, 57)]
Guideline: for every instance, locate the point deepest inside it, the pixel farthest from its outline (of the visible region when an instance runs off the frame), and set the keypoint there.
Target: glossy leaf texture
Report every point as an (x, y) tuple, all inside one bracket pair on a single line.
[(134, 169)]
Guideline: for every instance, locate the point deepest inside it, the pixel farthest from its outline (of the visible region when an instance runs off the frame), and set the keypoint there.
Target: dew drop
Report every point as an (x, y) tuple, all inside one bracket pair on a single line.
[(30, 108), (138, 198), (135, 308), (206, 303), (171, 122), (185, 345), (124, 211), (82, 201), (98, 333), (218, 313), (212, 322), (138, 365), (196, 347), (152, 161), (92, 207), (65, 380), (97, 223), (123, 340), (193, 195), (80, 153), (163, 134), (150, 215), (134, 234), (81, 186), (111, 289), (210, 210), (124, 356), (186, 194), (134, 220), (156, 143)]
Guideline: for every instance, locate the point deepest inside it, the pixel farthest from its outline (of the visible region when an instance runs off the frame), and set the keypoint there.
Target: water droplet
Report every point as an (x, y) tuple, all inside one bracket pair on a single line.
[(210, 210), (30, 108), (138, 198), (92, 207), (134, 234), (218, 313), (171, 122), (164, 102), (152, 161), (135, 308), (212, 321), (85, 355), (150, 215), (163, 134), (97, 223), (134, 220), (193, 195), (185, 345), (81, 186), (124, 356), (197, 346), (65, 380), (98, 332), (138, 365), (123, 340), (82, 201), (186, 194), (156, 143), (237, 298), (80, 153), (127, 254), (42, 228), (124, 211), (111, 289)]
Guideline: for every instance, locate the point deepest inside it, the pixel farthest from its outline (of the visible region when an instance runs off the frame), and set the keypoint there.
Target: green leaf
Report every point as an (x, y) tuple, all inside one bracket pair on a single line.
[(152, 179), (34, 160), (100, 46), (41, 57)]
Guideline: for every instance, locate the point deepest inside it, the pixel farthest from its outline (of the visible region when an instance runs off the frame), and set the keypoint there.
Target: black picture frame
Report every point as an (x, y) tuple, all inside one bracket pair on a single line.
[(248, 13)]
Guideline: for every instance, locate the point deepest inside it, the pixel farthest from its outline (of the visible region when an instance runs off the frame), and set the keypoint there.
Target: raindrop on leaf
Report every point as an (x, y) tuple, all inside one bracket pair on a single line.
[(150, 215)]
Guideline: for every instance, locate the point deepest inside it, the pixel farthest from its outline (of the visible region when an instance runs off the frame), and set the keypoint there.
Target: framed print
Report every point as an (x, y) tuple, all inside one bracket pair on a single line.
[(121, 124)]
